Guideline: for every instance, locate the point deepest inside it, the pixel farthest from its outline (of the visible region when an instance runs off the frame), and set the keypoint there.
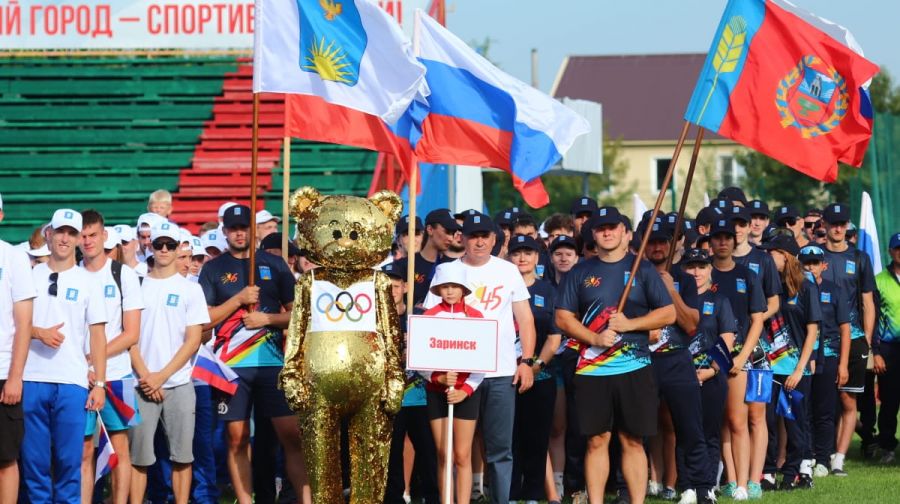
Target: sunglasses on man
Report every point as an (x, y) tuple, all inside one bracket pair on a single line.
[(165, 244)]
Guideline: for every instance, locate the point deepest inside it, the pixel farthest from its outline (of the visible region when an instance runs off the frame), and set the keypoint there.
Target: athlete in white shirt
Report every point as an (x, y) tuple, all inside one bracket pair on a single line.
[(16, 303), (171, 327), (67, 310), (124, 302)]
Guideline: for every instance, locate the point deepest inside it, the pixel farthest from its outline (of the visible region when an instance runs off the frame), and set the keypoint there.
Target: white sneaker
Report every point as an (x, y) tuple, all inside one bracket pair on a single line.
[(740, 494), (820, 471), (406, 498), (689, 496), (654, 488)]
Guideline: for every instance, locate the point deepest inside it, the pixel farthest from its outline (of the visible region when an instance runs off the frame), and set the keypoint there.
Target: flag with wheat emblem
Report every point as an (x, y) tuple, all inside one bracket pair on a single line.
[(788, 84), (348, 52)]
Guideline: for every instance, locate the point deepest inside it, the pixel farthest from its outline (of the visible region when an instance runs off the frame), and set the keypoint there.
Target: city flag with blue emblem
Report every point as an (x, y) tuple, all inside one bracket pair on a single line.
[(348, 52), (788, 84)]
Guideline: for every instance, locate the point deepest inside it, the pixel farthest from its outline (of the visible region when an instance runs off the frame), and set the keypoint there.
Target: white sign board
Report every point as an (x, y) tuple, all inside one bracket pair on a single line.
[(144, 24), (452, 344)]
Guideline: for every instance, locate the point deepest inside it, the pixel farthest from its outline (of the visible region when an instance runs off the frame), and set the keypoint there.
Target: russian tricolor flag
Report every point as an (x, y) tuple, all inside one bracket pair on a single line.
[(477, 115), (121, 395), (210, 369), (106, 455), (868, 234)]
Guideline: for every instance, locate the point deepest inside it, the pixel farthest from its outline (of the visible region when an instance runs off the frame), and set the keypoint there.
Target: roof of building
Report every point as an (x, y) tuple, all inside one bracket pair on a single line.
[(643, 96)]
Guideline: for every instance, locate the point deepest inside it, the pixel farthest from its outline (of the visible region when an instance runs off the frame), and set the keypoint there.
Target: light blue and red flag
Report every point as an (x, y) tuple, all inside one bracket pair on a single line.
[(121, 395), (211, 370), (106, 455), (788, 84), (478, 115)]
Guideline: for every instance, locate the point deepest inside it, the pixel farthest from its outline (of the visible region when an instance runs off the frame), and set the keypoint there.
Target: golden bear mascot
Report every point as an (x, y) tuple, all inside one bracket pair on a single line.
[(342, 356)]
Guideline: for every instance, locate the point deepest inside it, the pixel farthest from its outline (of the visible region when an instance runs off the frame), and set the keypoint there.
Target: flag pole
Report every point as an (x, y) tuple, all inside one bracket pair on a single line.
[(684, 196), (412, 194), (659, 200), (254, 158), (285, 197)]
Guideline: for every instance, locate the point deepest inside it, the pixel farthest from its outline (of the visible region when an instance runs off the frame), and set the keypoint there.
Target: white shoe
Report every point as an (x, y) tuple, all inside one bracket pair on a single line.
[(740, 494), (654, 488), (406, 498), (820, 471), (689, 496)]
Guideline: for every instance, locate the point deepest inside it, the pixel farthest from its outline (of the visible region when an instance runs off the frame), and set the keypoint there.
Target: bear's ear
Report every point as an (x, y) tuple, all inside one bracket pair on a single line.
[(389, 203), (304, 202)]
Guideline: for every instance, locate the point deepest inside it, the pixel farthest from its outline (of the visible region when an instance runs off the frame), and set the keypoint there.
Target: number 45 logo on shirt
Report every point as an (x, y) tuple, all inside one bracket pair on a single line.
[(490, 298)]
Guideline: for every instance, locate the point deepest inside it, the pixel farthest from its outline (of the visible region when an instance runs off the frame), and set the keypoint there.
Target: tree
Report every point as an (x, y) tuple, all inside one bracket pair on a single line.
[(776, 183), (608, 188)]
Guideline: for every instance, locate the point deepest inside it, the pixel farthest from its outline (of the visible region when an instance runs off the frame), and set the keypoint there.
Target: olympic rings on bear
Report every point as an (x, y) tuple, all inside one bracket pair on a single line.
[(344, 304)]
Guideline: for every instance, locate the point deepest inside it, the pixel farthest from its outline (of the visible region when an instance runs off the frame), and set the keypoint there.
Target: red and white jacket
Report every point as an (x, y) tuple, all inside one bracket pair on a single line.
[(467, 382)]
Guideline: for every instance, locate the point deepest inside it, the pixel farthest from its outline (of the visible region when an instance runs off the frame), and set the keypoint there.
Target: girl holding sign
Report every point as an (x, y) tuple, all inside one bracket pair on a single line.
[(453, 388)]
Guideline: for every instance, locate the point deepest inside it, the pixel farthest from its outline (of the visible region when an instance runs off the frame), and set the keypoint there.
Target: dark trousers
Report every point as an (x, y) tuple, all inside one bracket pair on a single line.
[(576, 444), (889, 393), (823, 405), (798, 445), (413, 421), (676, 379), (714, 394), (531, 439), (865, 404)]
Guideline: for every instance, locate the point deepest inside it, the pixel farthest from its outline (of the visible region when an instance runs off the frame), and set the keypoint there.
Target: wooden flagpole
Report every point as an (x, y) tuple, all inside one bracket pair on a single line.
[(285, 197), (254, 159), (412, 193), (659, 200), (684, 196)]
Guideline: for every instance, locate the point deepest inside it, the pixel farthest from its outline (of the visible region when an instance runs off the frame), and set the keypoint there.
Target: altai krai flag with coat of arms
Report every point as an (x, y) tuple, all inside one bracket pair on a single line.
[(787, 84), (349, 52)]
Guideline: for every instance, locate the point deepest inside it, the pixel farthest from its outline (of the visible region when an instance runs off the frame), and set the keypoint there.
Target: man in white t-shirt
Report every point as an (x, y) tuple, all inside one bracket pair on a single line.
[(171, 329), (123, 300), (16, 303), (69, 320), (498, 292)]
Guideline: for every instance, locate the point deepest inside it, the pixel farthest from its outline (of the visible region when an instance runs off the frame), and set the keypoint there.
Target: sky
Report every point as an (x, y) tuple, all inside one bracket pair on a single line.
[(559, 28)]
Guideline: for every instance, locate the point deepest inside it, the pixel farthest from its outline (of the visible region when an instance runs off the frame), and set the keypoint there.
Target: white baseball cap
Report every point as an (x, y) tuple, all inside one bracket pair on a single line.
[(184, 235), (150, 219), (42, 251), (126, 232), (112, 238), (66, 217), (225, 206), (165, 230), (197, 247), (264, 216), (214, 238)]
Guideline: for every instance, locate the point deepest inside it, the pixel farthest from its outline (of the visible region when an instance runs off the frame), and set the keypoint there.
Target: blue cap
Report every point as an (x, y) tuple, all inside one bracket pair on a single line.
[(522, 242), (811, 253), (563, 241), (895, 241)]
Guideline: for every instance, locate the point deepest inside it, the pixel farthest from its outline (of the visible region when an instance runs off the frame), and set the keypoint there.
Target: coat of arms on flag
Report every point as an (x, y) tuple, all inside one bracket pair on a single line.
[(807, 100), (332, 40)]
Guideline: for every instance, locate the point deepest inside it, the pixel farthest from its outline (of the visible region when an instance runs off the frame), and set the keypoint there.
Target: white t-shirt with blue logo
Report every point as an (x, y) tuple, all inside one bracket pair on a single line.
[(170, 306), (16, 285), (117, 366), (78, 304)]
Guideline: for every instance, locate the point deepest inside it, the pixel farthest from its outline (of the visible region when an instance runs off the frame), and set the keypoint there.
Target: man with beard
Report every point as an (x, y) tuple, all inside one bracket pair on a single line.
[(248, 321)]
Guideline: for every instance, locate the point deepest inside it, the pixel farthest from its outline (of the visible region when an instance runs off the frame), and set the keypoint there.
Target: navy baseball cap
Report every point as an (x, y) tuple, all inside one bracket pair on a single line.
[(443, 217), (812, 253), (895, 241), (583, 205), (519, 242), (393, 270), (782, 242), (739, 213), (605, 215), (757, 207), (722, 226), (694, 256), (784, 213), (506, 218), (402, 226), (721, 203), (273, 241), (563, 241), (733, 194), (706, 216), (836, 212), (660, 230), (236, 215), (478, 223)]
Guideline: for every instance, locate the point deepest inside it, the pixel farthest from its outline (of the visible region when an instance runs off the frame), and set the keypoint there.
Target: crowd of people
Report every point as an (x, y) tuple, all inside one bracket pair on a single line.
[(743, 360)]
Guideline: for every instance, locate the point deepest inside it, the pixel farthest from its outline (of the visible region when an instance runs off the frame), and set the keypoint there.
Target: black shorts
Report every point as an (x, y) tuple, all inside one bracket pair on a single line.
[(12, 430), (856, 366), (627, 402), (466, 410), (257, 388)]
